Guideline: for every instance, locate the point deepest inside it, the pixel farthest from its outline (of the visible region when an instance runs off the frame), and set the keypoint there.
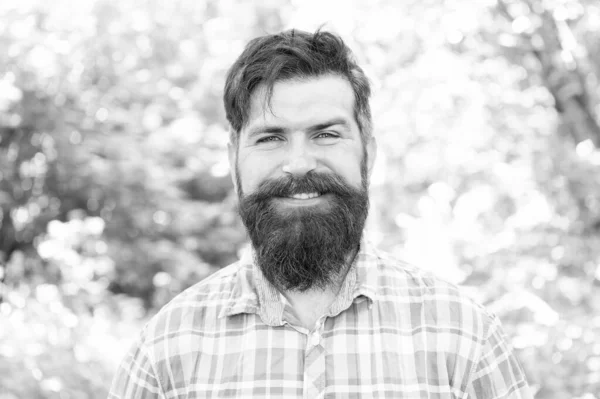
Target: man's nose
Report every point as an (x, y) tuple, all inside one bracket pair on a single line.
[(300, 160)]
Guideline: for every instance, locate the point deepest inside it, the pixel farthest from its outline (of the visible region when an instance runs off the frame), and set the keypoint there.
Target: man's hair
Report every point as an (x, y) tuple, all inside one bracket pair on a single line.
[(293, 54)]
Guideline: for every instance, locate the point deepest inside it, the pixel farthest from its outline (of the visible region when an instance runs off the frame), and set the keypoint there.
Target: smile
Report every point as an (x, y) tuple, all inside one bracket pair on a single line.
[(305, 199), (305, 196)]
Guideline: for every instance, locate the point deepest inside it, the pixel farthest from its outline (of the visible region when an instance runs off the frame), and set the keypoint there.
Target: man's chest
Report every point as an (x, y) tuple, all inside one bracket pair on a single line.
[(348, 357)]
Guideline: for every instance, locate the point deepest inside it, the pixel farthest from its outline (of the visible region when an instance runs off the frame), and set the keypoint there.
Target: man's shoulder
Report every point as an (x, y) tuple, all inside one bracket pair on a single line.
[(396, 273), (435, 298), (193, 307), (210, 289)]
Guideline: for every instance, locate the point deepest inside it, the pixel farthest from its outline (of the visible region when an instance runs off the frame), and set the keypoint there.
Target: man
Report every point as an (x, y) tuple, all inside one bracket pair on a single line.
[(312, 310)]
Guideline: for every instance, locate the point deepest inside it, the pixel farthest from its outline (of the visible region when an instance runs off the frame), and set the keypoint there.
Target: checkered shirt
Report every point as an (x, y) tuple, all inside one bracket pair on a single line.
[(393, 331)]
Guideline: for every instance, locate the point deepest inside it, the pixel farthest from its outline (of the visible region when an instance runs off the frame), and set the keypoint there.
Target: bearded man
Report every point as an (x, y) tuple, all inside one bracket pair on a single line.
[(312, 309)]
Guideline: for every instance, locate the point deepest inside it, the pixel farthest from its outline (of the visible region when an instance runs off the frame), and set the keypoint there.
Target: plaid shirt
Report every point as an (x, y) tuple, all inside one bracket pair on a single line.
[(393, 331)]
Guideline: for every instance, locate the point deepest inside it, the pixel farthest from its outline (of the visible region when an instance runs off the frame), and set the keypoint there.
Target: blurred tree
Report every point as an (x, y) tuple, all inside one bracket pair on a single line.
[(82, 135)]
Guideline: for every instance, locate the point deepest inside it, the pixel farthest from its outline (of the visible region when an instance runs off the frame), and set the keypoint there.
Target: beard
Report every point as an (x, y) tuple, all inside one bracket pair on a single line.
[(305, 247)]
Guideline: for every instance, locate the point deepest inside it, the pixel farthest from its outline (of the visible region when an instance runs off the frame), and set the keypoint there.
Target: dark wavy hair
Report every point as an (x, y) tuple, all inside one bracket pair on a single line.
[(293, 54)]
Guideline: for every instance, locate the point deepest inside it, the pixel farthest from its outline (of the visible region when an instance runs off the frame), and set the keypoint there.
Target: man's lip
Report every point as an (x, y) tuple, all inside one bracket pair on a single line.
[(298, 201), (292, 196), (319, 194)]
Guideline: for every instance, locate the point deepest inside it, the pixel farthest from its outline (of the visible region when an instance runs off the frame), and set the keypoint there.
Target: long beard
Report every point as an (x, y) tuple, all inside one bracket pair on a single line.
[(305, 247)]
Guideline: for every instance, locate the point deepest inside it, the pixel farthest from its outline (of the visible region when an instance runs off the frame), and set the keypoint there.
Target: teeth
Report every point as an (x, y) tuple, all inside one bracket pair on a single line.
[(305, 196)]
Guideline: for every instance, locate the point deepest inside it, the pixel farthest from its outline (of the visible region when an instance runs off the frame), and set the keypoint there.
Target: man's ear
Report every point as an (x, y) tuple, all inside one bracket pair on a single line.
[(371, 154)]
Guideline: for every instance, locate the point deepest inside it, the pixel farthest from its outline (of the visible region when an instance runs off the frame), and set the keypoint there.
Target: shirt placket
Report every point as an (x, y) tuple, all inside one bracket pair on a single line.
[(314, 364)]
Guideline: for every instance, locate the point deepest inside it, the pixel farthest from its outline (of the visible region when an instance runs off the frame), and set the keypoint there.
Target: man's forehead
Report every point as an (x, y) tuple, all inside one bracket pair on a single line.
[(322, 97)]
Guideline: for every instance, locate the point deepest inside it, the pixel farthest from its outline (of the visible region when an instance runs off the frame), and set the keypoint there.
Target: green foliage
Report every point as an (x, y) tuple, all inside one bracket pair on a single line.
[(115, 191)]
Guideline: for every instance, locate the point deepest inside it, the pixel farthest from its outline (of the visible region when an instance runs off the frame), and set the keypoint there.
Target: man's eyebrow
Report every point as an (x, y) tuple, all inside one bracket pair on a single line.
[(333, 122), (274, 129), (265, 129)]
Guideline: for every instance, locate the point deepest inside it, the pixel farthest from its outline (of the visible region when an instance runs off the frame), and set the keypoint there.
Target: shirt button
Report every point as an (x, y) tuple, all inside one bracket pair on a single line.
[(315, 339)]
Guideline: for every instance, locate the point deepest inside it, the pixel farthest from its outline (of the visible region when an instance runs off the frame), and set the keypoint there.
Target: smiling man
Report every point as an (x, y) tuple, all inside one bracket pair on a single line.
[(312, 309)]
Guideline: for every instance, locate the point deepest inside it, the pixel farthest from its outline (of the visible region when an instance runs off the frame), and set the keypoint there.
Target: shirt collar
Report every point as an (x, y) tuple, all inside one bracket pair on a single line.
[(252, 292)]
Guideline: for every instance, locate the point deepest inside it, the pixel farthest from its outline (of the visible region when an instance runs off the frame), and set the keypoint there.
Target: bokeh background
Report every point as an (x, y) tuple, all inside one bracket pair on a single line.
[(115, 192)]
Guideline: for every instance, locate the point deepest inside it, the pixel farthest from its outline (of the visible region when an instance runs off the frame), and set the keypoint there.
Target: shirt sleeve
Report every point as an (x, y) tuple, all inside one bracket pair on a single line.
[(497, 374), (135, 377)]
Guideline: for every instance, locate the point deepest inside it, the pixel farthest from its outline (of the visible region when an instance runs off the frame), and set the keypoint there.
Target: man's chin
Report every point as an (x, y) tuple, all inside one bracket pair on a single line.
[(300, 256)]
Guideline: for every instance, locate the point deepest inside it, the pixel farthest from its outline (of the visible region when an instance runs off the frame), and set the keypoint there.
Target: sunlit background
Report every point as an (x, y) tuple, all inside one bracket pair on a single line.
[(115, 192)]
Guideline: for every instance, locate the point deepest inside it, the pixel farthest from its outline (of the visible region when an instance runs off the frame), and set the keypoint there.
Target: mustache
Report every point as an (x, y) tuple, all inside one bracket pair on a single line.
[(311, 182)]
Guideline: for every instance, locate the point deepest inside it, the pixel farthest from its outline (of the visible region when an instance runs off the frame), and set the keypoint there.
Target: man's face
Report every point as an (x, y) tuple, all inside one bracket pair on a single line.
[(301, 173)]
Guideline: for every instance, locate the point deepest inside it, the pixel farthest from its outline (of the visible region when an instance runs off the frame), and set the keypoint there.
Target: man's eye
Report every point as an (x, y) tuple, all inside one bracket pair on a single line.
[(268, 139), (327, 135)]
